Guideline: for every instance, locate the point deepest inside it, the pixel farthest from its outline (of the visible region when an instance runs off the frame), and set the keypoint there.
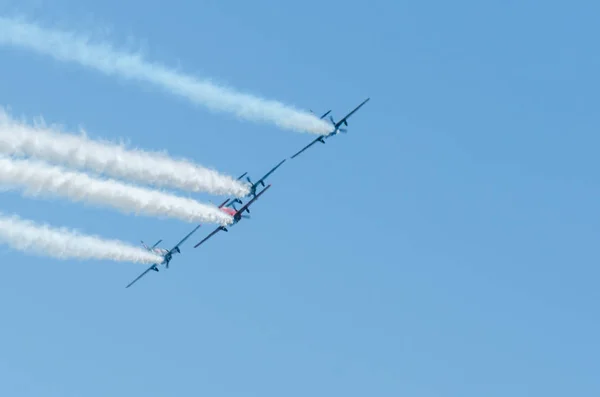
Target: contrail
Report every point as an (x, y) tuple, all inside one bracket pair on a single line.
[(37, 178), (78, 151), (69, 47), (62, 243)]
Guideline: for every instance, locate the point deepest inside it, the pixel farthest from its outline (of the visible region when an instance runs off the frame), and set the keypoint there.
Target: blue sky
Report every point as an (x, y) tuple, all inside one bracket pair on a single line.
[(447, 245)]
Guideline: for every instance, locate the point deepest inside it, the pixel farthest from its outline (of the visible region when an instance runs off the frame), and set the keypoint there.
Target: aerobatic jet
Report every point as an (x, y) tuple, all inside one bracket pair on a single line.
[(336, 128)]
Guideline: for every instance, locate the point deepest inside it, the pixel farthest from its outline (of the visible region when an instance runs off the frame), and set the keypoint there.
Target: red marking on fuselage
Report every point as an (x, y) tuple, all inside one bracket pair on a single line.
[(229, 211)]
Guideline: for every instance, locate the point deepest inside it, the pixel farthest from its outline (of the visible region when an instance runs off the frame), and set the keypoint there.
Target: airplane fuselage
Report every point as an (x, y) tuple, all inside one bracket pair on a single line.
[(233, 212), (229, 210), (167, 256), (159, 251)]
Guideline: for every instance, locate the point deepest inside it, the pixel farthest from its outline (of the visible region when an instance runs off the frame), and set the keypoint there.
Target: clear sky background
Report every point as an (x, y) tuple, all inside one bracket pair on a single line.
[(446, 246)]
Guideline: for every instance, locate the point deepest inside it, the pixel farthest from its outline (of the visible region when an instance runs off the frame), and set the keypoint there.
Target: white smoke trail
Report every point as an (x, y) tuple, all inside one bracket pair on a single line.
[(78, 151), (69, 47), (62, 243), (38, 178)]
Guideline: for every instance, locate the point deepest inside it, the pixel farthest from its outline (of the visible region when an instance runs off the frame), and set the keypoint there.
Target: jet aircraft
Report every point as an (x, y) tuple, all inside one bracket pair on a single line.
[(336, 128), (166, 254), (229, 208)]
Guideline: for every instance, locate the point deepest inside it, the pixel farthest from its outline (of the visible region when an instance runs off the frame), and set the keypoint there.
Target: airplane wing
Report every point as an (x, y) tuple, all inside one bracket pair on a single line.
[(343, 121), (185, 238), (210, 235), (318, 139), (261, 180), (153, 267)]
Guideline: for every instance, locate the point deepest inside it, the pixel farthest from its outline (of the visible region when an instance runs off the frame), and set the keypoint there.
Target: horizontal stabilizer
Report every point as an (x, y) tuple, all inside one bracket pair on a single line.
[(325, 114)]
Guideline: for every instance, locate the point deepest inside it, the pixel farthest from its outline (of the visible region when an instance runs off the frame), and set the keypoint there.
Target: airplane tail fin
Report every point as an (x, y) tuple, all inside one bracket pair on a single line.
[(150, 248), (155, 244), (325, 114)]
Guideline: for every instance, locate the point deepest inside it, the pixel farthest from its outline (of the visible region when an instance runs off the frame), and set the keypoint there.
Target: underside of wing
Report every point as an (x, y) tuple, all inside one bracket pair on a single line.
[(185, 238), (270, 172), (209, 236), (249, 203), (307, 146), (153, 267)]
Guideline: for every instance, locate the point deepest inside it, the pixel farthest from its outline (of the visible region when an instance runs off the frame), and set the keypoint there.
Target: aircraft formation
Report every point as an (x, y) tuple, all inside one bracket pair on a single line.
[(229, 205), (38, 159)]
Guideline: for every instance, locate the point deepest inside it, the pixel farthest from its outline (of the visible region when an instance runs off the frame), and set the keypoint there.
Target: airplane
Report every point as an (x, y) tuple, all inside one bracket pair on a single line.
[(166, 254), (336, 128), (261, 181), (229, 208)]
